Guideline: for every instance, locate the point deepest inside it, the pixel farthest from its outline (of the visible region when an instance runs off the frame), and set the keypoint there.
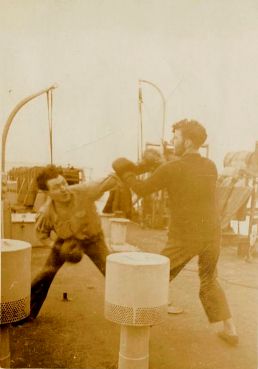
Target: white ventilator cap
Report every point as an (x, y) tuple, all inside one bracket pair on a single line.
[(137, 287), (118, 230), (15, 280), (105, 224)]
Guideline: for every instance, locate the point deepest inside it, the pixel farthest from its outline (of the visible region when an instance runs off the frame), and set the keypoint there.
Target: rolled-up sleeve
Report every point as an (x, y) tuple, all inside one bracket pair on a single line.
[(96, 189), (43, 228)]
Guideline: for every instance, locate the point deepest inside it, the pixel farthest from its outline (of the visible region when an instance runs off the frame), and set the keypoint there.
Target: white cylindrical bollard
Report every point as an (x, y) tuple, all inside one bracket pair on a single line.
[(118, 231), (15, 289), (136, 296), (15, 281), (106, 224)]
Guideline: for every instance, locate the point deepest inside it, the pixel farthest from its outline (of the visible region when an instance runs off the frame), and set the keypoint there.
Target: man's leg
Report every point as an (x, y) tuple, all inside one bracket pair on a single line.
[(211, 293), (97, 251), (179, 255), (41, 283)]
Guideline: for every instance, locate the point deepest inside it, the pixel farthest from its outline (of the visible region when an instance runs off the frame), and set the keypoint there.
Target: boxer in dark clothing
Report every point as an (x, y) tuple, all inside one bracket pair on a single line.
[(194, 222)]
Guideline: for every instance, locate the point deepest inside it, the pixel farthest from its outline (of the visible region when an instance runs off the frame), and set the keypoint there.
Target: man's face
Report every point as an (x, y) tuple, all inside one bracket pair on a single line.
[(58, 189), (178, 142)]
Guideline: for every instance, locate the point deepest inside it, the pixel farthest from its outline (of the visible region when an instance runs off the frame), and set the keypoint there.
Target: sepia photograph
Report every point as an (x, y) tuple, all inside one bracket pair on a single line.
[(129, 184)]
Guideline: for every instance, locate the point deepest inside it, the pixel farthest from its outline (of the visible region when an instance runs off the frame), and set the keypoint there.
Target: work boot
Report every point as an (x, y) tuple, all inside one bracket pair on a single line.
[(231, 339), (172, 309)]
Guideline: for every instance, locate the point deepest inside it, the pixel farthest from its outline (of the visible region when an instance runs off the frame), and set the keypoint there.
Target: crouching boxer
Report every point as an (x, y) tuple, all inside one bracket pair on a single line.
[(68, 222)]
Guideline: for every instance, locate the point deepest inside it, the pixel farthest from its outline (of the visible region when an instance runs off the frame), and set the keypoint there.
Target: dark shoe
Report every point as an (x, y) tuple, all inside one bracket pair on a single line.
[(23, 321), (231, 339)]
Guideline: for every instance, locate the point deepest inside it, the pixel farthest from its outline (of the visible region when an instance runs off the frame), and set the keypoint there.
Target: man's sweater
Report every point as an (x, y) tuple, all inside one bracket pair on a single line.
[(191, 185)]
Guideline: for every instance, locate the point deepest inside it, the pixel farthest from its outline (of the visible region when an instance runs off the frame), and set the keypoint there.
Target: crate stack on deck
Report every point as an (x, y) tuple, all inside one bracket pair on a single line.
[(22, 188)]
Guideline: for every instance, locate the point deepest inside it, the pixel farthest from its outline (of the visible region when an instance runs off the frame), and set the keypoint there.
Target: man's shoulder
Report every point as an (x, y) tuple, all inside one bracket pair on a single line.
[(176, 162), (209, 165), (208, 161), (173, 162), (170, 165), (170, 168)]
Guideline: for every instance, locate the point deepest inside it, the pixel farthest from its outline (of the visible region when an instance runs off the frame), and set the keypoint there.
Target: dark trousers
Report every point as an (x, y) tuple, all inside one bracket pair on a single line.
[(211, 294), (95, 248)]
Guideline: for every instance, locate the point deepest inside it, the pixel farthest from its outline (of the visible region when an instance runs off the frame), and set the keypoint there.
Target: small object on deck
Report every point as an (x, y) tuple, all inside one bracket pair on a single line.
[(65, 296)]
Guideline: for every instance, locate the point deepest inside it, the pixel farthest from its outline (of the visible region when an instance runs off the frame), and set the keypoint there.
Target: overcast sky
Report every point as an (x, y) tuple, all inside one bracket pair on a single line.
[(202, 54)]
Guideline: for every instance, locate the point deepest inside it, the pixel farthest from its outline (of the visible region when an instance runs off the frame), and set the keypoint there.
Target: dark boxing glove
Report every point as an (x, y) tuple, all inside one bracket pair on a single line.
[(150, 161), (71, 251), (123, 165)]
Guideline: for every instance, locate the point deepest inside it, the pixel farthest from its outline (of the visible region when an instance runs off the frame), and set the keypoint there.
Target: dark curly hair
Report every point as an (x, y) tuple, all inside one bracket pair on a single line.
[(49, 172), (193, 130)]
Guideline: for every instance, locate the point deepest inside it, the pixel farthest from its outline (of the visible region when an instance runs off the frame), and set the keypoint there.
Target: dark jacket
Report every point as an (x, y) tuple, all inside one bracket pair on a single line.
[(191, 186)]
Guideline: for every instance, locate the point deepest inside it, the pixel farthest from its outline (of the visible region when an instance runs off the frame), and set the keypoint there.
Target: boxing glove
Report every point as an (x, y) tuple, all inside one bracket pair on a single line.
[(71, 251), (123, 165), (151, 159)]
